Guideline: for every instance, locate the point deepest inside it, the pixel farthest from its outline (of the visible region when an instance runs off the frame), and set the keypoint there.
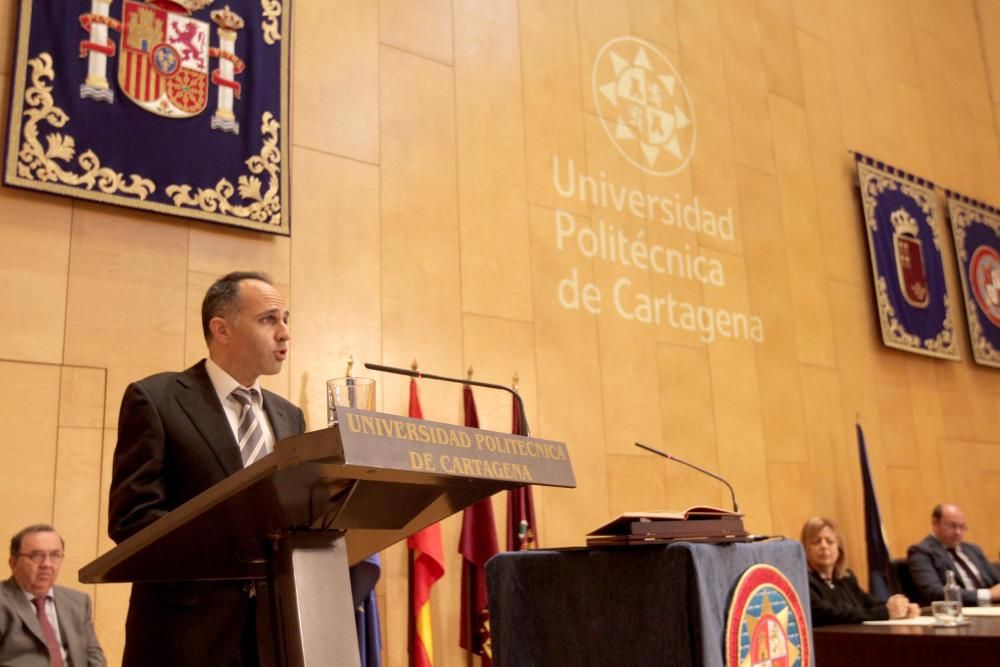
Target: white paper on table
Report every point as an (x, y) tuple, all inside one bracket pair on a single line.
[(919, 620), (981, 611)]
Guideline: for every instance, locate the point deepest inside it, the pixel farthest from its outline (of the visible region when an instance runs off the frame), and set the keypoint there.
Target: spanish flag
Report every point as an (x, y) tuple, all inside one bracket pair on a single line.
[(426, 567)]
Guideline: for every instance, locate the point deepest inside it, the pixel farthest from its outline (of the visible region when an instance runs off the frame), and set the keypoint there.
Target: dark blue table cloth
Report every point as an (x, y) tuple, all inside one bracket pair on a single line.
[(639, 605)]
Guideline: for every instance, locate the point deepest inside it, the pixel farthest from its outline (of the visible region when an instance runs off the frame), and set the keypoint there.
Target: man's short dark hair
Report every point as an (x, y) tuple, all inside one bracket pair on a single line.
[(222, 298), (937, 512), (15, 542)]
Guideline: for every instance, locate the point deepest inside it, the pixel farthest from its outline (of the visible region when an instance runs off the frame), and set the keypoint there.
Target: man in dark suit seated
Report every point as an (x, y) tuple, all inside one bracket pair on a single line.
[(944, 550), (180, 434), (42, 624)]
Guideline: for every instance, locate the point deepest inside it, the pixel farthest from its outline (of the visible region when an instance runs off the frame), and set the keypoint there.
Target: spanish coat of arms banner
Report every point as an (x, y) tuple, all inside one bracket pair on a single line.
[(173, 106), (911, 293), (976, 229)]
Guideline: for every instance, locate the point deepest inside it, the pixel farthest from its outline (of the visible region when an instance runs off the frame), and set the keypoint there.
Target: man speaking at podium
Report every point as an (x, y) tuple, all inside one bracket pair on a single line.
[(178, 435)]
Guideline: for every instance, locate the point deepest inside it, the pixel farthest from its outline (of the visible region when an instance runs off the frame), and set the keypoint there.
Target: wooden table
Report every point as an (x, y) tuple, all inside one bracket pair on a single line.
[(881, 645)]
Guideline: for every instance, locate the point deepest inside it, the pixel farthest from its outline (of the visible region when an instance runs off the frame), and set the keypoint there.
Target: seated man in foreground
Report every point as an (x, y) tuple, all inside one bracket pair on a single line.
[(944, 550), (41, 623)]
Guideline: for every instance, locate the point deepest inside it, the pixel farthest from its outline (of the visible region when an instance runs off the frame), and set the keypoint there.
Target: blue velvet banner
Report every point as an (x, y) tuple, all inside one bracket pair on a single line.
[(173, 106), (911, 293), (976, 229)]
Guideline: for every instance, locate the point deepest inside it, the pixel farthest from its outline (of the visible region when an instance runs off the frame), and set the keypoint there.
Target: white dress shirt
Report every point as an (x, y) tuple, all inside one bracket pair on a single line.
[(224, 384)]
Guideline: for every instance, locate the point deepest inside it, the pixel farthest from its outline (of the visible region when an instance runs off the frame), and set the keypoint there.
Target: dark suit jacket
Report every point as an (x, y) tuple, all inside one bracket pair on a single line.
[(929, 561), (173, 443), (21, 641), (844, 603)]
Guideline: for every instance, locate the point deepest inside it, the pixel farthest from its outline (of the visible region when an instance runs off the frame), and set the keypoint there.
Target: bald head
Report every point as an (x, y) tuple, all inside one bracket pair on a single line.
[(948, 524)]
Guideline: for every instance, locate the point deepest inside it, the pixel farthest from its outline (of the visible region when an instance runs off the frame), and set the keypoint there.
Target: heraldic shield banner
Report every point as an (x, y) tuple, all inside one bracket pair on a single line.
[(911, 293), (173, 106), (976, 230)]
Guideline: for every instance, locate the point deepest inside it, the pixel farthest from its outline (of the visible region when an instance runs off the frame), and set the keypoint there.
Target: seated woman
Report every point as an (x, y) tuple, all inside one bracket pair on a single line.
[(834, 593)]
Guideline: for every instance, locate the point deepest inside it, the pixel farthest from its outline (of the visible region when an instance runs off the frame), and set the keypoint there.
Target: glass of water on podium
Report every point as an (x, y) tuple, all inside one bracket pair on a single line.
[(350, 392)]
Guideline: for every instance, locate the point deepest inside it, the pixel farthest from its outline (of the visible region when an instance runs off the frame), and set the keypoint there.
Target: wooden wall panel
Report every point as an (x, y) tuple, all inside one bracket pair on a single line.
[(490, 137), (686, 409), (776, 19), (29, 409), (736, 399), (598, 22), (335, 75), (851, 90), (654, 20), (569, 387), (34, 255), (811, 18), (825, 439), (8, 19), (336, 275), (77, 503), (551, 72), (424, 29), (790, 485), (419, 228), (713, 171), (746, 84), (125, 306), (844, 253), (437, 146), (907, 512), (806, 259), (771, 300)]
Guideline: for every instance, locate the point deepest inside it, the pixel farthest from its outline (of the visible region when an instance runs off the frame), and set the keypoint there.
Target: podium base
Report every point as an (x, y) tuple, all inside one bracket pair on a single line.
[(311, 601)]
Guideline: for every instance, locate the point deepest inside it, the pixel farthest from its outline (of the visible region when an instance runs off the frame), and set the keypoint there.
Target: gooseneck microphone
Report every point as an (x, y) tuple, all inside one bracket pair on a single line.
[(474, 383), (671, 457)]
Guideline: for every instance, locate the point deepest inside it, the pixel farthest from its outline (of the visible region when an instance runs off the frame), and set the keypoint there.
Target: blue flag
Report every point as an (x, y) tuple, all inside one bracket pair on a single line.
[(364, 575), (878, 552)]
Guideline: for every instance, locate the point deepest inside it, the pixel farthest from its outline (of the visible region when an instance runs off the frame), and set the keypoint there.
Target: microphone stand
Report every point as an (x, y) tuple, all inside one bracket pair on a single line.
[(474, 383), (671, 457)]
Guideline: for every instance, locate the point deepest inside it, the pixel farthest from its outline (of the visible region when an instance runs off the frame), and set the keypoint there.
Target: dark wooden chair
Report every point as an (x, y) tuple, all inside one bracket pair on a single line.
[(903, 582)]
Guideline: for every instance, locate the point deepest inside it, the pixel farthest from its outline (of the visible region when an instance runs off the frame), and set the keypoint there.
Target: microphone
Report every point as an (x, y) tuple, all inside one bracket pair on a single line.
[(671, 457), (474, 383)]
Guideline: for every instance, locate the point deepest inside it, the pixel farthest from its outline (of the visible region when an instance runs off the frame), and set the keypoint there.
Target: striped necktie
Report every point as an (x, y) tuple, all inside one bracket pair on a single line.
[(249, 433), (970, 579)]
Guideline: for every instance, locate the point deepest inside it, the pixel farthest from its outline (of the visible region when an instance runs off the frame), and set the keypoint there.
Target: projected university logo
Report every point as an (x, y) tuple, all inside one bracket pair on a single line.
[(766, 623), (644, 105)]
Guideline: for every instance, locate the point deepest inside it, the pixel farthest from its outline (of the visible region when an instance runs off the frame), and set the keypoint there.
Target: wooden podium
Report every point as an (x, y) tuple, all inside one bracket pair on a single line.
[(323, 501)]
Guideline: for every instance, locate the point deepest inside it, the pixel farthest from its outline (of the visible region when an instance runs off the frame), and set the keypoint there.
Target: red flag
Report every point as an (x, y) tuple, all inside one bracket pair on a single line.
[(522, 531), (426, 567), (477, 545)]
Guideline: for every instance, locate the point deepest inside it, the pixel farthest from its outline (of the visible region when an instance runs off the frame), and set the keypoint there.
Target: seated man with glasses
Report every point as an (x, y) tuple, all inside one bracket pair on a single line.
[(42, 623), (944, 550)]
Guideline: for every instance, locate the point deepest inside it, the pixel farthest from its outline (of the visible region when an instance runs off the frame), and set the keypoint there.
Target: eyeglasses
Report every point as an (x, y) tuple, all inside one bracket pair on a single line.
[(951, 525), (38, 557)]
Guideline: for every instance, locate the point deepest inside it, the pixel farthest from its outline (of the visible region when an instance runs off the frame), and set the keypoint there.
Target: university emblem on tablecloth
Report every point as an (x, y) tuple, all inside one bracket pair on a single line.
[(766, 625), (644, 106)]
